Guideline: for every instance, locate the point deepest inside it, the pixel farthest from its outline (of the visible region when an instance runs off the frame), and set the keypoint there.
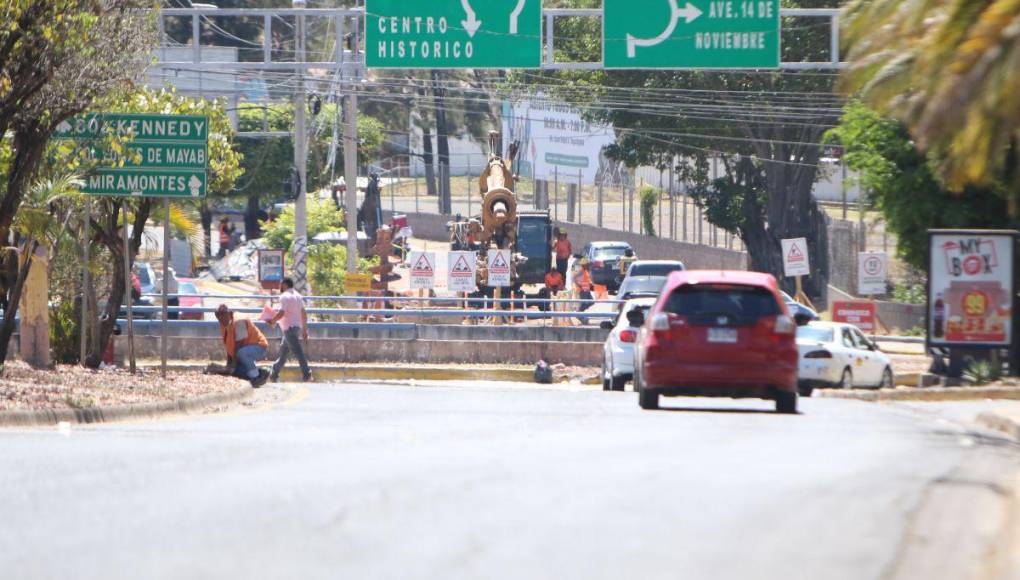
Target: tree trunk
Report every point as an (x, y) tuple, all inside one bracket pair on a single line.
[(9, 324), (442, 143), (206, 214), (112, 237), (429, 162), (252, 231)]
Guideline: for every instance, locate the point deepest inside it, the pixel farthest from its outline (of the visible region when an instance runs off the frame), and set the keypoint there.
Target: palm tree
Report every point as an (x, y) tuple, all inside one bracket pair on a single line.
[(948, 69)]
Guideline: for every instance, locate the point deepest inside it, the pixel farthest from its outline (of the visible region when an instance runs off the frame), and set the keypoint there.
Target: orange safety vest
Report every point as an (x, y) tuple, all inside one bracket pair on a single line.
[(583, 280)]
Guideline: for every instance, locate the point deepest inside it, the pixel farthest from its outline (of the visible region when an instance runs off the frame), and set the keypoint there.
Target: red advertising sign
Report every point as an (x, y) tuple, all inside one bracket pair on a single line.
[(860, 314), (971, 288)]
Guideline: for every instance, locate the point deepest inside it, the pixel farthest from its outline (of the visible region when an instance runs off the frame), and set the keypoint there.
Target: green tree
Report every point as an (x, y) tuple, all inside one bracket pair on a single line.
[(903, 183), (948, 69)]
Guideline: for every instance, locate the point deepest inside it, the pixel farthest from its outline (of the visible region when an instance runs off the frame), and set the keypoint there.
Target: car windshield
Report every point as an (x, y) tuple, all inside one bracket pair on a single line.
[(744, 304), (610, 253), (642, 285), (814, 333), (654, 269), (187, 288)]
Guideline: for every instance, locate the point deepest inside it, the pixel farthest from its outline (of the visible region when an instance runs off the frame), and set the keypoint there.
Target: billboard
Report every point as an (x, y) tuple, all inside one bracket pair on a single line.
[(555, 140), (970, 288)]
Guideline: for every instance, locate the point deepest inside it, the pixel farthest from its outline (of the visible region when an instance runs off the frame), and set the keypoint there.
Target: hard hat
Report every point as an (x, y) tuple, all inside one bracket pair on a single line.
[(585, 261)]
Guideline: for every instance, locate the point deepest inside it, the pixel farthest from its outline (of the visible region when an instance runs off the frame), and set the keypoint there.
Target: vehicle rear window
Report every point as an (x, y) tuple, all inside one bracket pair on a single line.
[(642, 285), (654, 269), (741, 303), (609, 253), (815, 334)]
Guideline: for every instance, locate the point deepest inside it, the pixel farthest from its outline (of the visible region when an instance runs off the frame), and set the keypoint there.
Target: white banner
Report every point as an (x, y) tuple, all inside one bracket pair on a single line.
[(555, 140), (423, 270), (460, 275), (871, 273), (499, 268), (795, 258)]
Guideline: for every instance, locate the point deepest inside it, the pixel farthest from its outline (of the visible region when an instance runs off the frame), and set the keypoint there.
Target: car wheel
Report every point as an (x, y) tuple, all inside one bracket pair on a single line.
[(847, 380), (605, 378), (887, 379), (618, 383), (806, 391), (786, 403), (648, 400)]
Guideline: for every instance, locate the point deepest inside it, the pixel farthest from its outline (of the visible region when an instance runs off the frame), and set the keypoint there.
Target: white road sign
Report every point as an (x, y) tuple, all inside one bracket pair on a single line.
[(499, 268), (871, 273), (460, 277), (423, 270), (795, 258)]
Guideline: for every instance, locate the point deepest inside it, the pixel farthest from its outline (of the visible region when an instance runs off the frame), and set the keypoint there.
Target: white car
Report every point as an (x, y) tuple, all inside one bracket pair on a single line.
[(618, 351), (839, 355)]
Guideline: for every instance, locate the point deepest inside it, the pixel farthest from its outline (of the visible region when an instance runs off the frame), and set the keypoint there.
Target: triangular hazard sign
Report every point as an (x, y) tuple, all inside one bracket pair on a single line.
[(498, 263), (795, 253), (461, 266), (422, 264)]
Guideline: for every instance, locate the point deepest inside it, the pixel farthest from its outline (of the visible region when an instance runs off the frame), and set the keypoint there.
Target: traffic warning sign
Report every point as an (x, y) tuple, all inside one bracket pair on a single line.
[(499, 268), (423, 270), (795, 258), (461, 275)]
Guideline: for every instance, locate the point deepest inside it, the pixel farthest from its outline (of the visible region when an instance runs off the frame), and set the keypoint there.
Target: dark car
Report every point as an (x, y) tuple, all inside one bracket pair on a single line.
[(718, 334), (800, 313), (605, 262)]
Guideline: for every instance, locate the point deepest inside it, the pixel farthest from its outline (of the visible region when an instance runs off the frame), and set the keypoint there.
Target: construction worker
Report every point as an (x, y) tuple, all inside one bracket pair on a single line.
[(245, 345), (563, 250), (553, 284), (583, 284)]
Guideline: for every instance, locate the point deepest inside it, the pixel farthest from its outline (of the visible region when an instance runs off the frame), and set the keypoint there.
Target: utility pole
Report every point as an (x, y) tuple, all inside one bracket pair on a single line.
[(351, 160), (300, 246)]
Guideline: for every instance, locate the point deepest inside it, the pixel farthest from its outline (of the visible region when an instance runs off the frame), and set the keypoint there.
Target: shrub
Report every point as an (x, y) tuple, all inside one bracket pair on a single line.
[(649, 199), (322, 217), (65, 333), (910, 294)]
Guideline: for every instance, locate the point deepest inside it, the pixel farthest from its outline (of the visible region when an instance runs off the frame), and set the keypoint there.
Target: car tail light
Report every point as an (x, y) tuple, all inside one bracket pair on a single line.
[(628, 335), (818, 354), (599, 263)]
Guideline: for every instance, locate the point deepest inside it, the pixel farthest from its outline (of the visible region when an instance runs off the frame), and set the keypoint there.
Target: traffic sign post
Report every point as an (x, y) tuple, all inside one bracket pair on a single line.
[(166, 156), (411, 34), (871, 273), (423, 270), (796, 264), (460, 276), (702, 34)]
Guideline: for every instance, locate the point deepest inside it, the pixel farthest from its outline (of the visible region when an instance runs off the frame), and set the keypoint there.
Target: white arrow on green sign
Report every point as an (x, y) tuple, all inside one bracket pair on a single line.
[(453, 34), (691, 34), (146, 183)]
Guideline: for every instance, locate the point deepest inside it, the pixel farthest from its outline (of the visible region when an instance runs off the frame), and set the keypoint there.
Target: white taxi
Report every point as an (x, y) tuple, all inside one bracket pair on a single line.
[(840, 356), (618, 351)]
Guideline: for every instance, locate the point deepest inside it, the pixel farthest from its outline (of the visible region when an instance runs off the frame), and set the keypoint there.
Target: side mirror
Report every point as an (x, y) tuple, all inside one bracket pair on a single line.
[(606, 325), (636, 318), (802, 318)]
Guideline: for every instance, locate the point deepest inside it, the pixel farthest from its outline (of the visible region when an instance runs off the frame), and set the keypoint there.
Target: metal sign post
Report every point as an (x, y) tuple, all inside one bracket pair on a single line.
[(166, 282), (127, 289)]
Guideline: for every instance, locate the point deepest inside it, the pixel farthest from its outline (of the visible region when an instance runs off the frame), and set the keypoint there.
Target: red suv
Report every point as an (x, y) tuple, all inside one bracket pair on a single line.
[(718, 334)]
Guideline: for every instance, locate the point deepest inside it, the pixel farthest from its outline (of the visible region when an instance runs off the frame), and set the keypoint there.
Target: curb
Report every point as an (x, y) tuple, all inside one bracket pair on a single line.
[(347, 373), (49, 417), (926, 394), (1001, 423)]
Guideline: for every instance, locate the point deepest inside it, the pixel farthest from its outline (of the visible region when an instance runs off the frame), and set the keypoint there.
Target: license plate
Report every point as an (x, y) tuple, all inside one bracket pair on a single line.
[(722, 335)]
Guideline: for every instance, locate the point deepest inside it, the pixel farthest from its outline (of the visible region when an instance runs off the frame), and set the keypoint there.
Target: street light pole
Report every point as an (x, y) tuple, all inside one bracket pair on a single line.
[(351, 161), (299, 250)]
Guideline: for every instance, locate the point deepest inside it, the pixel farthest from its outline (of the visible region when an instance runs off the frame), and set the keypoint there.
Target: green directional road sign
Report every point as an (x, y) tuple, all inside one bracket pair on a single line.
[(146, 183), (143, 127), (166, 155), (453, 34), (155, 155), (693, 34)]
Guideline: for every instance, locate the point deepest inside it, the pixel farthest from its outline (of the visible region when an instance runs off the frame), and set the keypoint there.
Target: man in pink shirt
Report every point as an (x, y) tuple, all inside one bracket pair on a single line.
[(293, 321)]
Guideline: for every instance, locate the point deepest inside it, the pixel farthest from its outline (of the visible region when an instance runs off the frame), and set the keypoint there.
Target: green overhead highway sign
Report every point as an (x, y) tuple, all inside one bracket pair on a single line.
[(146, 183), (143, 127), (692, 34), (155, 155), (453, 34)]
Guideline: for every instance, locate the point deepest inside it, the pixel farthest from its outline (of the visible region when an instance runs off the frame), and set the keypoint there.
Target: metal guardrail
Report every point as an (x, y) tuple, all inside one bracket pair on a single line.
[(441, 299), (390, 312)]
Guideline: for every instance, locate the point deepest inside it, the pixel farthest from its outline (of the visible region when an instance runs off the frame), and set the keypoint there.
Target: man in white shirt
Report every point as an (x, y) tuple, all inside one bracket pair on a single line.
[(293, 321)]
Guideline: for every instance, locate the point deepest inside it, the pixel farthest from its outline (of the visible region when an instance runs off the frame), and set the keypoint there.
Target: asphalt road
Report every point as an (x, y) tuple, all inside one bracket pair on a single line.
[(495, 481)]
